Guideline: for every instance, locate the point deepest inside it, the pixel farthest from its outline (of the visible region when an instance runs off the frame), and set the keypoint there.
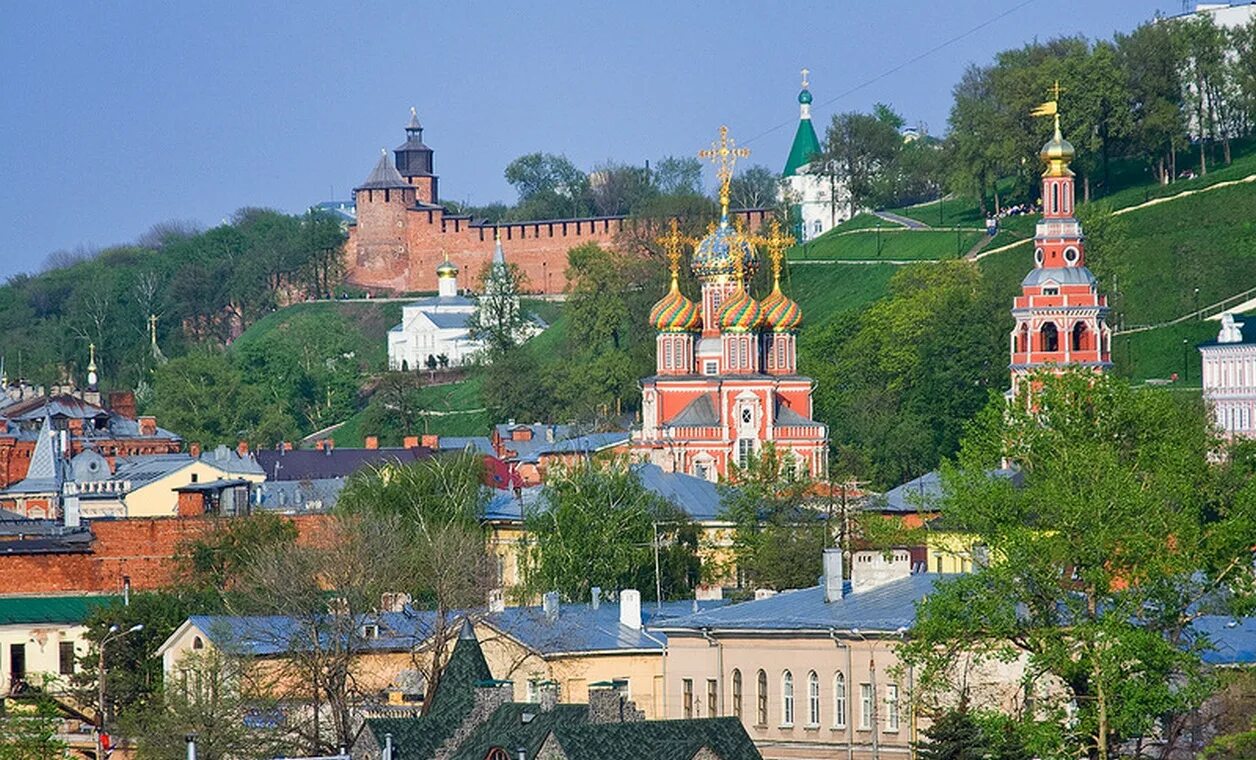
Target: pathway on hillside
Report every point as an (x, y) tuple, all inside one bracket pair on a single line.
[(909, 223)]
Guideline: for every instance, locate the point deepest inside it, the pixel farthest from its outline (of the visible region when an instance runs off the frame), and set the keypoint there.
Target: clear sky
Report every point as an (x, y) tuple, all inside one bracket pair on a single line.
[(119, 115)]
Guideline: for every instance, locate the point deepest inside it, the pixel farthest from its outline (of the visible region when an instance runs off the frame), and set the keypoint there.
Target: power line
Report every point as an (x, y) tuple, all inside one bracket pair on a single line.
[(899, 67)]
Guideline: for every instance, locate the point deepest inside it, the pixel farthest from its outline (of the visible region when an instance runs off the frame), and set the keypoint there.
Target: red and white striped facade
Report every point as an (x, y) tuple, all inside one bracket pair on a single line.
[(1060, 315)]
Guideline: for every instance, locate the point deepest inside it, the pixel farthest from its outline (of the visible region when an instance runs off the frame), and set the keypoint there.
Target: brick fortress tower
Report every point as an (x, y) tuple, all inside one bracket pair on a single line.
[(402, 233), (726, 381), (1060, 315)]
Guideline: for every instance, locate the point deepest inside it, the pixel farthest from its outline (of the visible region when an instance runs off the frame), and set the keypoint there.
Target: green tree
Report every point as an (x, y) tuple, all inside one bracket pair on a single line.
[(549, 187), (616, 189), (596, 526), (432, 508), (30, 728), (778, 537), (514, 387), (498, 320), (956, 735), (215, 560), (396, 408), (205, 397), (755, 187), (858, 148), (678, 176), (210, 698), (1097, 563), (1150, 60)]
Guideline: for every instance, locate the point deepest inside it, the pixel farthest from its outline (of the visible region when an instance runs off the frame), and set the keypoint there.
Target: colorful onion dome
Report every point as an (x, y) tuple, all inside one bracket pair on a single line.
[(675, 313), (714, 254), (740, 313), (780, 313)]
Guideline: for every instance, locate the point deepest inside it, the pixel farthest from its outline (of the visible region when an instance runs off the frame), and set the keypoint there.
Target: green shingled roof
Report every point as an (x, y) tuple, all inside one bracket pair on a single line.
[(806, 146), (21, 610)]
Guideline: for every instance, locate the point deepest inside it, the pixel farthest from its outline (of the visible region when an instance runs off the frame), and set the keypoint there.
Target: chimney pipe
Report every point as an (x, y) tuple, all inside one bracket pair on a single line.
[(191, 740), (388, 747), (549, 603), (596, 593), (832, 575), (630, 608)]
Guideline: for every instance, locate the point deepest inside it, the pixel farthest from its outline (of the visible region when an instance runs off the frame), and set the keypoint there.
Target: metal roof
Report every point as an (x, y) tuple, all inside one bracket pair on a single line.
[(922, 494), (36, 610), (1059, 275), (697, 413), (1230, 641), (229, 460), (697, 498), (787, 416), (581, 628), (383, 177), (884, 609), (565, 440), (320, 494), (312, 464)]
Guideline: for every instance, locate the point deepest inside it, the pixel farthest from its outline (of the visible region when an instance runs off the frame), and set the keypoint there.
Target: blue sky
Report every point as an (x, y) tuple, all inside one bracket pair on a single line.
[(120, 115)]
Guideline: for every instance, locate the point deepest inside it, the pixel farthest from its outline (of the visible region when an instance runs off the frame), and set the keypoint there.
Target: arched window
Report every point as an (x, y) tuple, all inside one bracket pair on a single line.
[(839, 698), (736, 693), (813, 699), (1023, 339), (762, 696), (1079, 336), (197, 643), (497, 753), (787, 698), (1055, 197), (1049, 337)]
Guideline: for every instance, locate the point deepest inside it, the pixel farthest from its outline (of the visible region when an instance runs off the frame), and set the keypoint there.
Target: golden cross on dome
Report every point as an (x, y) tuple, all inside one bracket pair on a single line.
[(724, 154), (672, 243), (91, 361), (1055, 91), (776, 242)]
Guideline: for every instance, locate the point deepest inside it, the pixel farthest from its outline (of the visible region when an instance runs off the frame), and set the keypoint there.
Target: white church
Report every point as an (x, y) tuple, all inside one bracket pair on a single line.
[(817, 203), (436, 327)]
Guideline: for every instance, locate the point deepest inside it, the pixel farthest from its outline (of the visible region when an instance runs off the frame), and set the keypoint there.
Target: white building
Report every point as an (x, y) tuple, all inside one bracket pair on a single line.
[(439, 326), (817, 202), (1229, 378)]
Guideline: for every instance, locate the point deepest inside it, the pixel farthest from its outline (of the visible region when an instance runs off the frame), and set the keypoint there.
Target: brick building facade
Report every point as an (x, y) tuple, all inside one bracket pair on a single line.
[(402, 233)]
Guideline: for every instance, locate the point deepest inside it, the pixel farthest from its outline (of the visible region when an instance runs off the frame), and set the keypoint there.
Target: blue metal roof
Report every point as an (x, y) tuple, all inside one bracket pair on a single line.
[(1231, 641), (478, 443), (697, 498), (446, 320), (924, 494), (265, 635), (564, 440), (581, 628), (1059, 275), (312, 495), (885, 609)]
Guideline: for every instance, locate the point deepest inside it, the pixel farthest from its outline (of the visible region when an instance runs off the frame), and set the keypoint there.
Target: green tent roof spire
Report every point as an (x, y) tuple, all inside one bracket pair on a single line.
[(806, 145)]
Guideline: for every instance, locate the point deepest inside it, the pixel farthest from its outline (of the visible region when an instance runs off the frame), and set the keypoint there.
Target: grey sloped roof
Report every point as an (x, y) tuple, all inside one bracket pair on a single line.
[(883, 609), (581, 628), (1061, 275), (565, 440), (383, 176), (229, 460), (478, 443), (696, 497), (699, 413), (45, 473), (313, 495), (446, 320), (923, 493), (439, 301), (148, 468), (787, 416)]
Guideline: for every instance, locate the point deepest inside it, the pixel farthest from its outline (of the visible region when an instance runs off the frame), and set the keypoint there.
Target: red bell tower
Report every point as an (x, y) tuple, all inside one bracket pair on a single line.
[(1060, 315)]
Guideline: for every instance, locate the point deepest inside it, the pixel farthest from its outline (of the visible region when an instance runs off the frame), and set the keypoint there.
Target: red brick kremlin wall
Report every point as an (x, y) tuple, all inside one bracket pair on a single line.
[(379, 258), (141, 549)]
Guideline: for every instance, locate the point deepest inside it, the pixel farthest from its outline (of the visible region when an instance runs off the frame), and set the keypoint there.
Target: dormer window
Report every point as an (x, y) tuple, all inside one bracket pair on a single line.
[(1051, 291), (370, 631)]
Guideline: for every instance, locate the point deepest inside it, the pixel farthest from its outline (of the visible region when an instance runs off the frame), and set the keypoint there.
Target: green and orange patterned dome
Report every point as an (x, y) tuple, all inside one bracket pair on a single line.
[(740, 313), (675, 313), (780, 313)]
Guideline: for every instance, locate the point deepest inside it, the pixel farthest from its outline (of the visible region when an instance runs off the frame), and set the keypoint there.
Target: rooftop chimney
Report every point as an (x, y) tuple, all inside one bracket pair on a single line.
[(242, 448), (630, 608), (148, 425), (595, 594), (194, 450), (410, 442), (764, 593), (708, 592), (833, 575), (371, 442), (496, 600), (549, 603)]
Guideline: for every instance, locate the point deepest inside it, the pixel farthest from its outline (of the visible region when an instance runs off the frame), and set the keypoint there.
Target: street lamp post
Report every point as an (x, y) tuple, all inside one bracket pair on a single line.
[(1197, 314), (1186, 367), (113, 635)]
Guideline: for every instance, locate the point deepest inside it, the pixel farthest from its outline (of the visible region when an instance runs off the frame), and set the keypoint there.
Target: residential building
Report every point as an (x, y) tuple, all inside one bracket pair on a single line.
[(1060, 317), (530, 450), (726, 381), (473, 716), (818, 199), (1229, 378), (328, 461), (811, 672), (42, 638)]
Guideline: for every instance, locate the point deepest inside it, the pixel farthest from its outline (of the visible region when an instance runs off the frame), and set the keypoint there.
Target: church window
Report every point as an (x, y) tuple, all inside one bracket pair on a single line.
[(1055, 198), (702, 470), (1052, 291), (1023, 344), (711, 367), (1049, 337), (1079, 336), (747, 415), (1038, 256), (745, 448), (1071, 254)]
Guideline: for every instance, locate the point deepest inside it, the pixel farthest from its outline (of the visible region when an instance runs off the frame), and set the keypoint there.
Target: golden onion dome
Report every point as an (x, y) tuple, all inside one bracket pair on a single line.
[(447, 269), (1057, 153), (675, 313), (780, 313), (740, 313)]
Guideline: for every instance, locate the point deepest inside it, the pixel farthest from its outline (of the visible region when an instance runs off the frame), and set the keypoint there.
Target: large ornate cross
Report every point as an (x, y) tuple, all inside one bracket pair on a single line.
[(672, 244), (776, 242), (724, 154)]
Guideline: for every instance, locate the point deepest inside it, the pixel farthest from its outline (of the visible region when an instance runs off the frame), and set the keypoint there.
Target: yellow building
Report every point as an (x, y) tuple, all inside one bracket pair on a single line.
[(144, 486), (42, 638)]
